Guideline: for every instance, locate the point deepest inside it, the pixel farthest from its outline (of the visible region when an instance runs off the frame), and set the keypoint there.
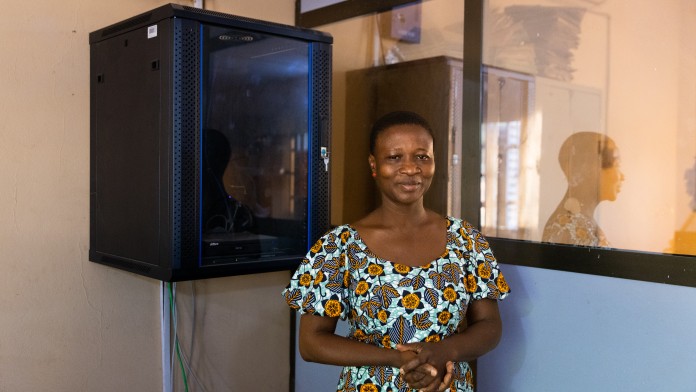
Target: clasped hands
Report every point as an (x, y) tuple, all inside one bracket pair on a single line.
[(423, 369)]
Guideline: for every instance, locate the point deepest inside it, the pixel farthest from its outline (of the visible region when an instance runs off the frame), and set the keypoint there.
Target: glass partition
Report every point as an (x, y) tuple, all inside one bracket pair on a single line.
[(589, 123)]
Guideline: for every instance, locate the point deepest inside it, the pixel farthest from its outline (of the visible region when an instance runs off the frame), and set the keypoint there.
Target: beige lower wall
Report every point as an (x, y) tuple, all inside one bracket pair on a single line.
[(236, 331), (68, 324)]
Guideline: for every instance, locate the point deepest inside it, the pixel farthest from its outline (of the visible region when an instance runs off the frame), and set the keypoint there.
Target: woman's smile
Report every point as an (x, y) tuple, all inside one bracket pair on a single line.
[(409, 186)]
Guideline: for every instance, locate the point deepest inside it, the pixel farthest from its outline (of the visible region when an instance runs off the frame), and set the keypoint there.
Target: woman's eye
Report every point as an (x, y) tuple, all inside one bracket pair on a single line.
[(423, 157)]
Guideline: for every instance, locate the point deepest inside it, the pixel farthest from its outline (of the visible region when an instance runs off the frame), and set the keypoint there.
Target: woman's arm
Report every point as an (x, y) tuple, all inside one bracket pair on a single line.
[(481, 335), (319, 343)]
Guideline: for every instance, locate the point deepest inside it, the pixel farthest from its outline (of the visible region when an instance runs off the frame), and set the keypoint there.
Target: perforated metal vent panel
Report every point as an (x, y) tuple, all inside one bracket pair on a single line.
[(321, 132), (186, 142)]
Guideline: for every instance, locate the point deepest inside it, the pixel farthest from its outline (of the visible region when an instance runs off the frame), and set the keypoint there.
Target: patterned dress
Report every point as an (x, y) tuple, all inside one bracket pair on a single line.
[(387, 303), (574, 228)]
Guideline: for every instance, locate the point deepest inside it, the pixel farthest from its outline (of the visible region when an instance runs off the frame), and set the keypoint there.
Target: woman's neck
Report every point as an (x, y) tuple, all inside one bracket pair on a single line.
[(580, 203), (402, 216)]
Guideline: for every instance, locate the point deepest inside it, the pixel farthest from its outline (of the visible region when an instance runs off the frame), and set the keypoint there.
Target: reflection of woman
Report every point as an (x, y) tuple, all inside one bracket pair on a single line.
[(418, 289), (590, 162), (222, 212)]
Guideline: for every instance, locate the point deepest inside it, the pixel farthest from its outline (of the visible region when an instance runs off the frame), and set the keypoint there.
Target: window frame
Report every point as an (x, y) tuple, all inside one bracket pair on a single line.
[(343, 10)]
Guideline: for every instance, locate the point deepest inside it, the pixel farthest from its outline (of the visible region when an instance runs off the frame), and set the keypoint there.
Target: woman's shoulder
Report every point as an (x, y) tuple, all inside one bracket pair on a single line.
[(462, 233), (456, 224), (341, 232), (335, 239), (367, 222), (337, 230)]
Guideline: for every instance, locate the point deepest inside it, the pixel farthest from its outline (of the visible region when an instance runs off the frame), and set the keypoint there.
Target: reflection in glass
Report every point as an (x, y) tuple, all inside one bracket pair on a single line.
[(254, 144), (565, 67), (509, 153), (590, 162)]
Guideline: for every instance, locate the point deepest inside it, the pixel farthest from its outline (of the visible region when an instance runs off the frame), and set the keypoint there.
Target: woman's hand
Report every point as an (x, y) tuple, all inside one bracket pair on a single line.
[(438, 383), (422, 374)]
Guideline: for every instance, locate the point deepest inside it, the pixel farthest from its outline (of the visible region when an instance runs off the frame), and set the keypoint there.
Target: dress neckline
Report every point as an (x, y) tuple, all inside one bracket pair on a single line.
[(363, 246)]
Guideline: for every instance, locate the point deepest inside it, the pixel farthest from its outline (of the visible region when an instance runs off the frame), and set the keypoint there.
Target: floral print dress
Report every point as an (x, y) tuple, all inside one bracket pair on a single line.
[(387, 303), (574, 228)]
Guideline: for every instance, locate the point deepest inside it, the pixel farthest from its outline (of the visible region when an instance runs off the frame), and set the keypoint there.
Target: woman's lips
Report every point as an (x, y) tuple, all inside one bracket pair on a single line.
[(410, 185)]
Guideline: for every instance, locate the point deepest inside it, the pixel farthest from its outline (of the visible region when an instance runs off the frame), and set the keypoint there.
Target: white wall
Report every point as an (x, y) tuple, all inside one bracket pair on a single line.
[(68, 324)]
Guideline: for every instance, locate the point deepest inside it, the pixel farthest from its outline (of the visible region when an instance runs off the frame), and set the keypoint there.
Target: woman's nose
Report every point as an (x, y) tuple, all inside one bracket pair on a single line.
[(410, 167)]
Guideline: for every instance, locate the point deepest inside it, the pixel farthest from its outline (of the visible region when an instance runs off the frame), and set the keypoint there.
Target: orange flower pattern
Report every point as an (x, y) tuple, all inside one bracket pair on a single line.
[(575, 229), (387, 303)]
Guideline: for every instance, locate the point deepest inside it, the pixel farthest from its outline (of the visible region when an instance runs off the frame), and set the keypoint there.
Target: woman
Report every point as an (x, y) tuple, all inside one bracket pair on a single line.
[(591, 164), (419, 290)]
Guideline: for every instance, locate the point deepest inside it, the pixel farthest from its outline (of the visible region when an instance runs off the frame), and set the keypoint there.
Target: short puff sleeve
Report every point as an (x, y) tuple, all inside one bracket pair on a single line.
[(483, 278), (319, 285)]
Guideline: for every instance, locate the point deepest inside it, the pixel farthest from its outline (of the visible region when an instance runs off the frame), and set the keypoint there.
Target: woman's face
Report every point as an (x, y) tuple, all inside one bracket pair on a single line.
[(610, 178), (403, 163)]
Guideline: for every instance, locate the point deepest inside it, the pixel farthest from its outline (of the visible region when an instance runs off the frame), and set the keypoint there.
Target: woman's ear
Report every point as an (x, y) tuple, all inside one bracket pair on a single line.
[(371, 162)]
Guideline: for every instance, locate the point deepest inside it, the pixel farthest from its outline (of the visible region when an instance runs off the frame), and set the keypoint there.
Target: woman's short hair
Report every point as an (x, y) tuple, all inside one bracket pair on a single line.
[(397, 118), (583, 154)]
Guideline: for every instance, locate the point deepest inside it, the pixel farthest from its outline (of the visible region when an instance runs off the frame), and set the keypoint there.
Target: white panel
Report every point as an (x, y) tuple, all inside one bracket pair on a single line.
[(571, 332)]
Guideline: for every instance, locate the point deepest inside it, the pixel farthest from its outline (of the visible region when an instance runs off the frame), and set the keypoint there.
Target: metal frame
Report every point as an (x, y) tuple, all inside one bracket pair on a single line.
[(343, 10)]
